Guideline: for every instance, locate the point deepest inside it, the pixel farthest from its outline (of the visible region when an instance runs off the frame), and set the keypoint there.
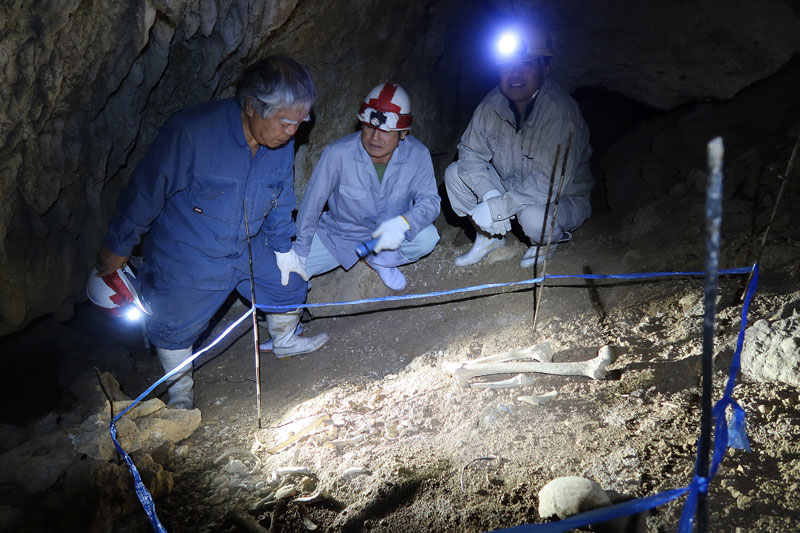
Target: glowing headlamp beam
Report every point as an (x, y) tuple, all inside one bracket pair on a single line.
[(133, 313), (507, 44)]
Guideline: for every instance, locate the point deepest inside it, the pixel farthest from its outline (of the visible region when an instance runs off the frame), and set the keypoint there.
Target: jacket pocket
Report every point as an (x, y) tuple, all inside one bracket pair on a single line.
[(353, 193), (217, 197), (267, 199)]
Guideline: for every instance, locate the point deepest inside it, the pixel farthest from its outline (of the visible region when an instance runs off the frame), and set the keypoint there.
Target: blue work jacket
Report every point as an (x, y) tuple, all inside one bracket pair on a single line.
[(189, 190), (358, 201)]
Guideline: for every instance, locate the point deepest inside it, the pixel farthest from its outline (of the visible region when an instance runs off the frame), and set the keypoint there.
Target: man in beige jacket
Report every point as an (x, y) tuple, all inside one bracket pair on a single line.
[(505, 157)]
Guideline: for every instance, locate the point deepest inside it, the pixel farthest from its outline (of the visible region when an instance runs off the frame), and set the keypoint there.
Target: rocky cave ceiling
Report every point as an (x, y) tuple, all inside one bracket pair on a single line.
[(86, 84)]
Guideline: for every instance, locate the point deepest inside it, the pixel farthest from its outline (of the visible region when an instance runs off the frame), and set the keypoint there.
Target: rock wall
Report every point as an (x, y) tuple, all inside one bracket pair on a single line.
[(88, 83)]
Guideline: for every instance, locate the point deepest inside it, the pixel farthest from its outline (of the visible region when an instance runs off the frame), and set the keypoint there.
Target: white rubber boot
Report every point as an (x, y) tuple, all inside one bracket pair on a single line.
[(483, 244), (535, 254), (181, 385), (385, 264), (284, 342), (267, 345)]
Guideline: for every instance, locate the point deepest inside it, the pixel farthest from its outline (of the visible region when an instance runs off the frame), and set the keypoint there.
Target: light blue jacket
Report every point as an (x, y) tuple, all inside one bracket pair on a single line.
[(358, 202), (188, 193)]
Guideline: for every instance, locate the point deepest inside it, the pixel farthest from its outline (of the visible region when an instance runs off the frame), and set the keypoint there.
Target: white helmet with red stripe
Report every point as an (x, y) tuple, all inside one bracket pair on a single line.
[(386, 107), (115, 293)]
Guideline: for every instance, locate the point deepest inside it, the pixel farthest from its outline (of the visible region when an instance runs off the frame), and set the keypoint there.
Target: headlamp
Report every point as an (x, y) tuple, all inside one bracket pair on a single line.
[(508, 44), (133, 313)]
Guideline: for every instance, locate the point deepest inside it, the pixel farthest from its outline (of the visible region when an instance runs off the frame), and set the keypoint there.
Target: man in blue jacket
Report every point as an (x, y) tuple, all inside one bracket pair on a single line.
[(209, 166), (378, 183)]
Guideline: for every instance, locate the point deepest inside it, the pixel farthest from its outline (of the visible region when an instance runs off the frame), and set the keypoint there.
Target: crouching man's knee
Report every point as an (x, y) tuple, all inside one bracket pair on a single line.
[(424, 242), (461, 197), (451, 174)]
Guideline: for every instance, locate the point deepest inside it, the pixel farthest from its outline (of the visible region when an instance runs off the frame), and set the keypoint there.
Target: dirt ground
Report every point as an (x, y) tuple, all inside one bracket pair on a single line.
[(382, 439)]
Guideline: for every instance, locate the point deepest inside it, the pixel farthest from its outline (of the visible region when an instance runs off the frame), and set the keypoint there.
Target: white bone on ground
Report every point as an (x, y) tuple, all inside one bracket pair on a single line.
[(540, 352), (292, 471), (517, 381), (593, 368), (538, 400)]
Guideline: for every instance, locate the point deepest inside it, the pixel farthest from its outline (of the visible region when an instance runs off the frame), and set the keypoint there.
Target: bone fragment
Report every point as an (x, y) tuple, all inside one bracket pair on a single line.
[(300, 434), (307, 522), (517, 381), (341, 442), (538, 400), (540, 352), (317, 496), (355, 471), (593, 368), (292, 471)]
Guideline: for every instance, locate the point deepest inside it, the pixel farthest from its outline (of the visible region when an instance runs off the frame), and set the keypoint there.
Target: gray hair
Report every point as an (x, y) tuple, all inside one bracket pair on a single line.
[(274, 83)]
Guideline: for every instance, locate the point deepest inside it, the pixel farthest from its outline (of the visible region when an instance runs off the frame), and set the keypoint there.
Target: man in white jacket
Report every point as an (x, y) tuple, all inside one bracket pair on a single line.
[(377, 183), (505, 157)]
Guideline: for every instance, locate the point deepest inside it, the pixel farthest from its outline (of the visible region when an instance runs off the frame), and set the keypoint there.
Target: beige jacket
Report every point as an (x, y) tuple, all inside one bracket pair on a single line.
[(524, 159)]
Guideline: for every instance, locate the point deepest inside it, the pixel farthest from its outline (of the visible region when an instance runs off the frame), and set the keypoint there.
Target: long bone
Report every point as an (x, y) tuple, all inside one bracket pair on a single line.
[(538, 352), (520, 380), (593, 368)]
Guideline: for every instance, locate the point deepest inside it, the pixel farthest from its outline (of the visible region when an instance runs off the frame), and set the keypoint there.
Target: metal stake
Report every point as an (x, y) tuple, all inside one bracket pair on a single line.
[(710, 285), (552, 224), (785, 179), (544, 226), (255, 318)]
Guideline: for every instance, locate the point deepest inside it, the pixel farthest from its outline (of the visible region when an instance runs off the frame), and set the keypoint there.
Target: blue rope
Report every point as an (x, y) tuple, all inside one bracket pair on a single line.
[(737, 437), (532, 281), (141, 491), (724, 436)]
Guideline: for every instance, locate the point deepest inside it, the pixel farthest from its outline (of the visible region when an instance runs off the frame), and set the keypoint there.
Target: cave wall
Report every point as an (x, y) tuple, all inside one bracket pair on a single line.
[(88, 83)]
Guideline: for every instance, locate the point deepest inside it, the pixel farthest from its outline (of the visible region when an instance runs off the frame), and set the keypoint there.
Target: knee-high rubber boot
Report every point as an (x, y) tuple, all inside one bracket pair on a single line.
[(181, 392), (484, 243), (385, 264), (284, 341)]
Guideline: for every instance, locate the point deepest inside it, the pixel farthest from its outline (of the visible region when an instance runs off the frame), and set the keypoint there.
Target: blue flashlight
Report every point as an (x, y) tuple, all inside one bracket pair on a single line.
[(366, 247)]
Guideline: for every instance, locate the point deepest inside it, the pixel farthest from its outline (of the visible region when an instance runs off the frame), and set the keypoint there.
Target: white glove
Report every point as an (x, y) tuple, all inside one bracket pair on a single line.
[(391, 233), (289, 262), (482, 216)]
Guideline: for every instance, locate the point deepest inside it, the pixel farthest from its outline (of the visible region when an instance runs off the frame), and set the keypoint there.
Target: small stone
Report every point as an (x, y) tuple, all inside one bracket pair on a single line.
[(571, 495)]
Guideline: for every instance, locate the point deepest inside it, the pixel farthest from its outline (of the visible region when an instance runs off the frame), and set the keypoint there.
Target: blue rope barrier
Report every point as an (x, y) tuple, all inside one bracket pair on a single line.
[(532, 281), (724, 436), (141, 491), (737, 437)]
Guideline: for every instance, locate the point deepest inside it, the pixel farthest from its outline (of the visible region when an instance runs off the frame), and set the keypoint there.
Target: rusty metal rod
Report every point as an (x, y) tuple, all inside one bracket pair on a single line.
[(552, 225), (544, 226), (785, 179)]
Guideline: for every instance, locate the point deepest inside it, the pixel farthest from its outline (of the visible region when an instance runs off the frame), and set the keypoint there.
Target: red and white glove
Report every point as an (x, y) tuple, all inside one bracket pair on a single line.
[(391, 233), (289, 262)]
